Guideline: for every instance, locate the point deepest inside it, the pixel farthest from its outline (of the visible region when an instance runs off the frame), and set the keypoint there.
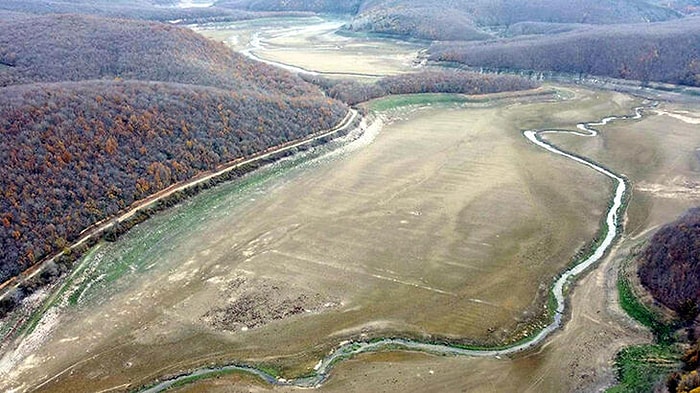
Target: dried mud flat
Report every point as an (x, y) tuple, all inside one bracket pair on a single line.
[(448, 224), (658, 150), (312, 44)]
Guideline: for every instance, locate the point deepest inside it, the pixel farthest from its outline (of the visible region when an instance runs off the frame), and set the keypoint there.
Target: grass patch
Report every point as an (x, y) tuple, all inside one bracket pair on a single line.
[(400, 100), (394, 101), (663, 332), (32, 323), (552, 305), (270, 370), (642, 367), (214, 374)]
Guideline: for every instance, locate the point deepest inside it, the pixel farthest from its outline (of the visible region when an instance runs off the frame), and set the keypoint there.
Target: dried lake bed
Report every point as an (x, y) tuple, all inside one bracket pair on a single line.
[(441, 222)]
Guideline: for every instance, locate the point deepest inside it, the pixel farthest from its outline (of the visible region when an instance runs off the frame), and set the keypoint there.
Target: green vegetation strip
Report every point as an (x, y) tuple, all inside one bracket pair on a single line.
[(397, 101), (33, 321), (641, 367), (215, 374), (663, 332)]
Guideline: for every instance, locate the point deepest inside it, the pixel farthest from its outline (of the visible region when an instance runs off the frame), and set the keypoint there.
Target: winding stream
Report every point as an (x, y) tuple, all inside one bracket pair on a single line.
[(349, 349), (256, 45)]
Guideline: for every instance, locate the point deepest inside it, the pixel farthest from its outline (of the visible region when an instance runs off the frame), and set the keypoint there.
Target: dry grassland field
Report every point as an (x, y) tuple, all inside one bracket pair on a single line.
[(312, 44), (445, 222)]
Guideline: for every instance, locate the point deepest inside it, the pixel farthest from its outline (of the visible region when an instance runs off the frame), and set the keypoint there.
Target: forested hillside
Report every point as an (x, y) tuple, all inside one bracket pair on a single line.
[(133, 108), (133, 9), (664, 52), (669, 268), (73, 48), (670, 265)]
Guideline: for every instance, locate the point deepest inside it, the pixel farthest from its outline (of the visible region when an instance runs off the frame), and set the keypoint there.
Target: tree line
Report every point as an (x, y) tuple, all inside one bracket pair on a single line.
[(660, 52), (428, 81)]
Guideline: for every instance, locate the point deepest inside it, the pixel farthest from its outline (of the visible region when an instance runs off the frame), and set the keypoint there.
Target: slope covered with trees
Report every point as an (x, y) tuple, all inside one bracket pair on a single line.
[(475, 19), (669, 266), (682, 6), (132, 9), (73, 48), (663, 52), (131, 108)]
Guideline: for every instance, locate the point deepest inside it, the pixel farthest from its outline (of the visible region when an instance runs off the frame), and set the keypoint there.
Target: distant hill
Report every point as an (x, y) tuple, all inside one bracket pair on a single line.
[(646, 40), (475, 19), (465, 20), (682, 6), (663, 52), (72, 48), (12, 15), (320, 6), (669, 266), (131, 9), (419, 19), (132, 108), (535, 28), (155, 10)]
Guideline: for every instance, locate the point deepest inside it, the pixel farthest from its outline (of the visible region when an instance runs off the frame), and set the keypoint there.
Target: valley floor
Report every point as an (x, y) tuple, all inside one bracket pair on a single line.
[(441, 221)]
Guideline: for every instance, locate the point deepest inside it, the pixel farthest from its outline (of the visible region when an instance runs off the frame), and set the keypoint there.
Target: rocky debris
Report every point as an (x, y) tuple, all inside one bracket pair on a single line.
[(254, 303)]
